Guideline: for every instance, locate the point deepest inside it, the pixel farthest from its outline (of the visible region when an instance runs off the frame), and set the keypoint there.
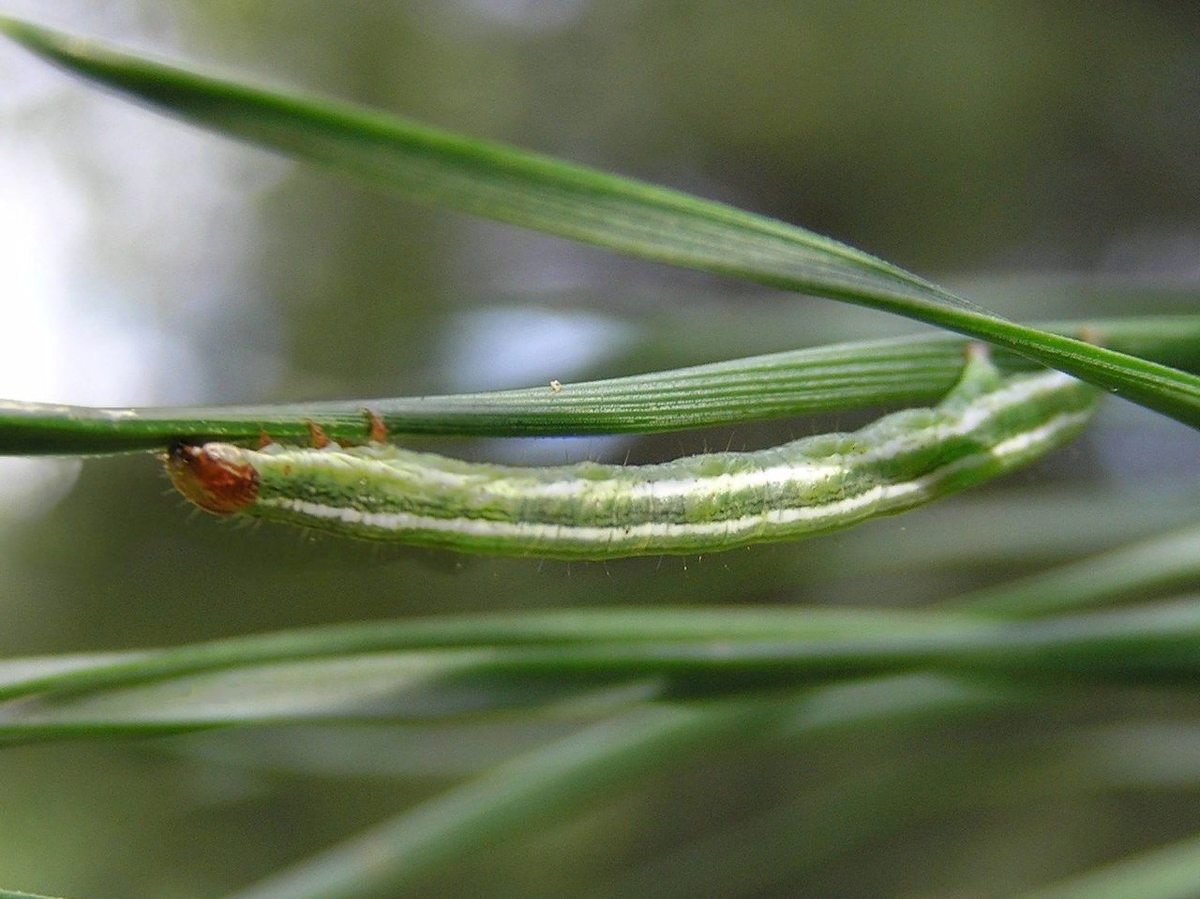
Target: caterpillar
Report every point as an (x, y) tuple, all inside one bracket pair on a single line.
[(986, 425)]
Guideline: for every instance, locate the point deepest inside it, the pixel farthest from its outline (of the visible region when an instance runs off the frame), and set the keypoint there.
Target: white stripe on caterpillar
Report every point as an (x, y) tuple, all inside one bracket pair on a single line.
[(985, 426)]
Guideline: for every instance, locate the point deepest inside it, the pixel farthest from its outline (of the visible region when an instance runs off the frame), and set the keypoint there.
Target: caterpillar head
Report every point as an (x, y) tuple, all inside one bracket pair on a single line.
[(217, 477)]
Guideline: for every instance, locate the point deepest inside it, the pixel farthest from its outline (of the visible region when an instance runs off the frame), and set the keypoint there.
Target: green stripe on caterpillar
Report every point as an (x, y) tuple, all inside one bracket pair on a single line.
[(986, 425)]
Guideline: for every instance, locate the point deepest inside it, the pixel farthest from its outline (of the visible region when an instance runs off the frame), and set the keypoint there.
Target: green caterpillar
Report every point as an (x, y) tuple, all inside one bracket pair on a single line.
[(985, 426)]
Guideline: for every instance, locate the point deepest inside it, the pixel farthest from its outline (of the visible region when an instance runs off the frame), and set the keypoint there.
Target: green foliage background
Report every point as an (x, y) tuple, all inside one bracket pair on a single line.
[(1013, 136)]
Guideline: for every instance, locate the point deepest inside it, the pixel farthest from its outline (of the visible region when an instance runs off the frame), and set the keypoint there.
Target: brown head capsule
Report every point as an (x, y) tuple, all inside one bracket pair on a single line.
[(216, 476)]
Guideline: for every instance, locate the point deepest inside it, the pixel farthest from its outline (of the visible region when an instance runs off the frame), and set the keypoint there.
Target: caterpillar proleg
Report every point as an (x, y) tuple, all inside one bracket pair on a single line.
[(986, 425)]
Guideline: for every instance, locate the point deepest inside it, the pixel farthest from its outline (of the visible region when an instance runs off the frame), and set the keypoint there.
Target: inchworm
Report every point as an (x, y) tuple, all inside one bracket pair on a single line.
[(985, 426)]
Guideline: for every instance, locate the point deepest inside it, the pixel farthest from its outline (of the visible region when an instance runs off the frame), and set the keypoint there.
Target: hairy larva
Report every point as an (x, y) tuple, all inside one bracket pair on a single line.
[(985, 426)]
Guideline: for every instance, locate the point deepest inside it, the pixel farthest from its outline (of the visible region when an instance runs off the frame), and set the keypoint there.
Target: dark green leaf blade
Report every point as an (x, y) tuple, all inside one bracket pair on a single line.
[(571, 201)]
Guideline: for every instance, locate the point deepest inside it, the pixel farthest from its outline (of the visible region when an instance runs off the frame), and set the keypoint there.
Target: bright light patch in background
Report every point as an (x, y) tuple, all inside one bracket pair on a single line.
[(497, 348), (65, 342), (122, 239), (40, 223)]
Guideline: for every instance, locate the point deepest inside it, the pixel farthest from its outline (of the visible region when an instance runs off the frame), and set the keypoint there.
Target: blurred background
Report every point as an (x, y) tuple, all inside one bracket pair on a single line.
[(1041, 157)]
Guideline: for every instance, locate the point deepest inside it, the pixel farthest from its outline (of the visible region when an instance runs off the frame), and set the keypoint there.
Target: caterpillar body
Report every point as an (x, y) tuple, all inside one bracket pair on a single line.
[(986, 425)]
